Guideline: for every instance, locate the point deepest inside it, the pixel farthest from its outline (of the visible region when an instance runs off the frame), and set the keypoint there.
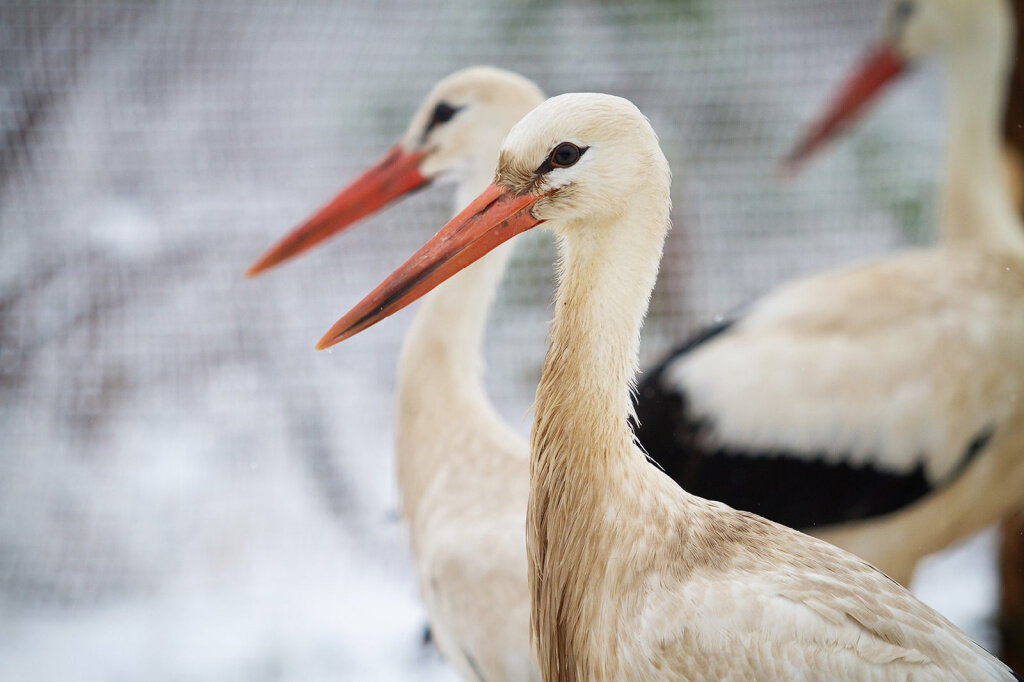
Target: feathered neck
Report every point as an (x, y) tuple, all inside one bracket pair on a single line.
[(441, 366), (976, 206), (581, 443)]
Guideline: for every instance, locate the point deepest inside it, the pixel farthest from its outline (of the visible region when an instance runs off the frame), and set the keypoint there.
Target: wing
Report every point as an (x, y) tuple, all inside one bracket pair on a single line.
[(846, 395), (780, 604)]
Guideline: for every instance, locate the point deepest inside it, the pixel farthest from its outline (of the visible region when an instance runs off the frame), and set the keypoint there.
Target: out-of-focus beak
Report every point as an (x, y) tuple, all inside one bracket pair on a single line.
[(390, 178), (881, 66), (494, 217)]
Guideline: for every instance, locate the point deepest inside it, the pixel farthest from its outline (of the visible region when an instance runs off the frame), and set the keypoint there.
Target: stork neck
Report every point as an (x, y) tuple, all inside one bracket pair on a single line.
[(441, 394), (976, 206), (581, 446), (583, 400), (446, 337)]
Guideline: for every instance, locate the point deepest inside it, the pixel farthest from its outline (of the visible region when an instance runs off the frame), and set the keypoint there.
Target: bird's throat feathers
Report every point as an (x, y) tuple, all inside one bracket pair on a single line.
[(581, 442)]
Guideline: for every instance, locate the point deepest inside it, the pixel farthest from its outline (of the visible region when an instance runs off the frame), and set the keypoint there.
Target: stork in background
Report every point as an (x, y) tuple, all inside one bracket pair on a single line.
[(462, 472), (1011, 537), (1011, 619), (879, 407), (631, 577)]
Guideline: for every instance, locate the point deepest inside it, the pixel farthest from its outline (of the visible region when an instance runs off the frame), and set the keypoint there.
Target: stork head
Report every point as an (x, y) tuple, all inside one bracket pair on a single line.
[(916, 29), (456, 131), (910, 30), (584, 156), (577, 162), (460, 125)]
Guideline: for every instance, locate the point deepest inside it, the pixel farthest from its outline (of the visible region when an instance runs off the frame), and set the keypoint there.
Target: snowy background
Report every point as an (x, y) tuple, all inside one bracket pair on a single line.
[(187, 490)]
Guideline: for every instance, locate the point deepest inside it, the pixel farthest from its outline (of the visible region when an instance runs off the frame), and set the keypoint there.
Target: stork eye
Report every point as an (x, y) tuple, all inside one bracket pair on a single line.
[(443, 113), (564, 155), (903, 10)]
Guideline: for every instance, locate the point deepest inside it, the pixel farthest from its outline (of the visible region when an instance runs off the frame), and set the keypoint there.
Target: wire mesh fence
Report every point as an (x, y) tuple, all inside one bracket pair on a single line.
[(187, 491)]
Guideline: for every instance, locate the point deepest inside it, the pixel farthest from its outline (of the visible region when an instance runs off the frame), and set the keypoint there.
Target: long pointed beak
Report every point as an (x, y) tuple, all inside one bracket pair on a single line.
[(493, 218), (881, 66), (393, 176)]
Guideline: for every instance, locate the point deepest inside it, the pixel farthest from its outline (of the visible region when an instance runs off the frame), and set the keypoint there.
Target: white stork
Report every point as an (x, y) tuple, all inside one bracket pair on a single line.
[(631, 577), (462, 472), (880, 407)]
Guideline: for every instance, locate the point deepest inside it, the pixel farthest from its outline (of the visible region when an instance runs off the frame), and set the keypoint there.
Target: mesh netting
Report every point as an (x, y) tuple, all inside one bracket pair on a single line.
[(187, 491)]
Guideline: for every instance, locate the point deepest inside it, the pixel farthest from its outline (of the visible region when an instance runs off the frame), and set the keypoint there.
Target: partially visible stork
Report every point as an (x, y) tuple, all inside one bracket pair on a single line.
[(462, 472), (881, 406), (631, 577)]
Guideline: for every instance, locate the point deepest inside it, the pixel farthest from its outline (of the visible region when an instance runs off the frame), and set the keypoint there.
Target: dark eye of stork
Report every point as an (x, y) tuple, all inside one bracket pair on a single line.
[(443, 113), (903, 10), (564, 155)]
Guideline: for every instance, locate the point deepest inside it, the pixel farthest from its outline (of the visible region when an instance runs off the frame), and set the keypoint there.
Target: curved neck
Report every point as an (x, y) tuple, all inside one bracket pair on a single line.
[(581, 444), (606, 275), (592, 359), (976, 205), (446, 336), (440, 394)]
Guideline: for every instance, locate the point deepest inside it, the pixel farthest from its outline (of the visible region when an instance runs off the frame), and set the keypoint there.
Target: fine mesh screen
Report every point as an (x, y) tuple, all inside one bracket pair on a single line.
[(187, 490)]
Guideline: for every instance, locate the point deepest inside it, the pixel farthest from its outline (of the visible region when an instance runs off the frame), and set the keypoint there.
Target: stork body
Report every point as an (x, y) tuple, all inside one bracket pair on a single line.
[(882, 404), (881, 400), (631, 577)]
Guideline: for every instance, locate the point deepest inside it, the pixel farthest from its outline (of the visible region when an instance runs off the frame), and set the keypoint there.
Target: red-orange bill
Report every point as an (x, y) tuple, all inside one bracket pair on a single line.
[(390, 178), (881, 66), (493, 218)]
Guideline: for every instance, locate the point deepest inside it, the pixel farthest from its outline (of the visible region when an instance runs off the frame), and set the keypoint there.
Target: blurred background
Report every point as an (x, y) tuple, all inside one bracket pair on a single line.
[(187, 490)]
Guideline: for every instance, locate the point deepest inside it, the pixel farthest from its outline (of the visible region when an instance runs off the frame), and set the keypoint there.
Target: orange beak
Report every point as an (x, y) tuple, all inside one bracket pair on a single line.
[(493, 218), (393, 176), (881, 66)]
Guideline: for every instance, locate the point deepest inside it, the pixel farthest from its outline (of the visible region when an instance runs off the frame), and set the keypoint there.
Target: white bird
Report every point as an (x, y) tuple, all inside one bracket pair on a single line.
[(631, 577), (462, 472), (880, 407)]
